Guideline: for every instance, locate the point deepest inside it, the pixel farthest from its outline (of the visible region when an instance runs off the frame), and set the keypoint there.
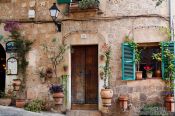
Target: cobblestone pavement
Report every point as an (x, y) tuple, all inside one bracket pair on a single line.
[(12, 111)]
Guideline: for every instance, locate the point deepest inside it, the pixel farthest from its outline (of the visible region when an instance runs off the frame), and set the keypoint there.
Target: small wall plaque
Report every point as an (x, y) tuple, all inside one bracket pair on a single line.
[(11, 47), (12, 66)]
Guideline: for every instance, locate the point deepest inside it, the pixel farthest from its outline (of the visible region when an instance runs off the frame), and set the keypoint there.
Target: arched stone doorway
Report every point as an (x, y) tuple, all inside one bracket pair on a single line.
[(2, 68)]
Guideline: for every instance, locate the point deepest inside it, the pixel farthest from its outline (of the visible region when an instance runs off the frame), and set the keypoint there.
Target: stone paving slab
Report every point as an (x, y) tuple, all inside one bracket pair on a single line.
[(13, 111)]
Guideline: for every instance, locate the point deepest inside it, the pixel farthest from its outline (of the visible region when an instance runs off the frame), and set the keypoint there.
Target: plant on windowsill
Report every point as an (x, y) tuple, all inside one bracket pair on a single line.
[(106, 93), (57, 93), (137, 59), (158, 58), (88, 4), (149, 72)]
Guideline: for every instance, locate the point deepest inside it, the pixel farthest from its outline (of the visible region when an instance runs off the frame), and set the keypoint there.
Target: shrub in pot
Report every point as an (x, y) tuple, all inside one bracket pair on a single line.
[(106, 93), (57, 93)]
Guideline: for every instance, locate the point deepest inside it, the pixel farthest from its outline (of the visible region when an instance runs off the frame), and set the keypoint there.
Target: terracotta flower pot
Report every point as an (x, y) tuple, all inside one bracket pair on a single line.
[(158, 73), (138, 75), (58, 98), (169, 103), (5, 101), (16, 81), (123, 101), (149, 74), (20, 103), (16, 87), (65, 68), (106, 95)]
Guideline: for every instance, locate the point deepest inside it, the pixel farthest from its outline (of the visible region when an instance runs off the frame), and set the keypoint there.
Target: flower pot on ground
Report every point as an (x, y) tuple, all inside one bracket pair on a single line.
[(169, 103), (20, 103), (58, 98), (123, 101), (49, 72), (5, 99), (106, 95), (57, 93)]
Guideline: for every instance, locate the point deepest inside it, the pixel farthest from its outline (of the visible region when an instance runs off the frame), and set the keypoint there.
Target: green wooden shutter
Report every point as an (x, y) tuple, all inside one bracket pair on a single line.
[(128, 64), (63, 1), (170, 46)]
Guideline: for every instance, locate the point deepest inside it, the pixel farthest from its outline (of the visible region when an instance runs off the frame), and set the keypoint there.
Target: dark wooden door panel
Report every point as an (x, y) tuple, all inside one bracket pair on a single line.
[(84, 78), (78, 77), (91, 81)]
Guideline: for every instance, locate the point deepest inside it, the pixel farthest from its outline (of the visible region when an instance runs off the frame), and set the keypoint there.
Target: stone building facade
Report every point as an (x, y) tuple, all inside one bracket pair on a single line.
[(140, 20)]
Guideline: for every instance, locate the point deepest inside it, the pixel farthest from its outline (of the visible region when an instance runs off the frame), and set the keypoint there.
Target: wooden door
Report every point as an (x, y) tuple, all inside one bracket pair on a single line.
[(84, 78)]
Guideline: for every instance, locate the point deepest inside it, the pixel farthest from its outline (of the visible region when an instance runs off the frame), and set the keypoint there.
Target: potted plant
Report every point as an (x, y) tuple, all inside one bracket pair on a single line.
[(149, 72), (169, 73), (123, 101), (20, 100), (158, 57), (5, 99), (65, 68), (169, 77), (106, 92), (49, 72), (57, 93), (16, 84), (137, 60)]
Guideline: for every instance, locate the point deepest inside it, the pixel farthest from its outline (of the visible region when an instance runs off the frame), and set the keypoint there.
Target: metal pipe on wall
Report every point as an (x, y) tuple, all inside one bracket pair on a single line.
[(171, 19)]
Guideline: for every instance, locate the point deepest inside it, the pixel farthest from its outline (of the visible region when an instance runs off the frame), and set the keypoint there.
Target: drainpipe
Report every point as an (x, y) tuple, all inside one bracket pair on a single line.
[(171, 26), (171, 19)]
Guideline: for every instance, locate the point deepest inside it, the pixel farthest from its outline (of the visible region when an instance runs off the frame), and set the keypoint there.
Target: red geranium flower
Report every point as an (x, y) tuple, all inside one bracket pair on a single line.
[(148, 68)]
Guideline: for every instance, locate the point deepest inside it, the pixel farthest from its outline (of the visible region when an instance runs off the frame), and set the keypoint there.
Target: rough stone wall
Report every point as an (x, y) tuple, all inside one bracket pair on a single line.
[(109, 26)]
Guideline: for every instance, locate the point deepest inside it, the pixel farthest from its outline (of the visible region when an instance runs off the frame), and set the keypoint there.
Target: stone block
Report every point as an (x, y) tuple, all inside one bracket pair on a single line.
[(143, 97), (31, 94)]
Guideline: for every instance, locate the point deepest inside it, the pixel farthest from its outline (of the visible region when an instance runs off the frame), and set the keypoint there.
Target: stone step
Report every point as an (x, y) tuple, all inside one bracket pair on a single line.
[(83, 113)]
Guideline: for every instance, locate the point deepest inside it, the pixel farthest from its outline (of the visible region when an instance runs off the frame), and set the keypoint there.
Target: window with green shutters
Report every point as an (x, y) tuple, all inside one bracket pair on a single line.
[(63, 1), (128, 64), (170, 46)]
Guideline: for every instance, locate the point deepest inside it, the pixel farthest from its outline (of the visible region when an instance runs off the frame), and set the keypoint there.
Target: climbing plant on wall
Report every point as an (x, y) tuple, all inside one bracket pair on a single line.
[(23, 46)]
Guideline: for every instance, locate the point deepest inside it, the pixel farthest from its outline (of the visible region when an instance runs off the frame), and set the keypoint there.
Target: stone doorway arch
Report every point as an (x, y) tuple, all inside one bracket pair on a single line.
[(2, 68)]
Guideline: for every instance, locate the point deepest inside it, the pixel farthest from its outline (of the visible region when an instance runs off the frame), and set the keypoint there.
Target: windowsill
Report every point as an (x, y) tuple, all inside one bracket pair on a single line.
[(147, 82), (74, 8), (152, 78)]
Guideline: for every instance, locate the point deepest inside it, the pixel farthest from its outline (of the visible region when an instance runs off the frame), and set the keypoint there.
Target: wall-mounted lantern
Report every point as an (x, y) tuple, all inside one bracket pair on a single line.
[(54, 14)]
